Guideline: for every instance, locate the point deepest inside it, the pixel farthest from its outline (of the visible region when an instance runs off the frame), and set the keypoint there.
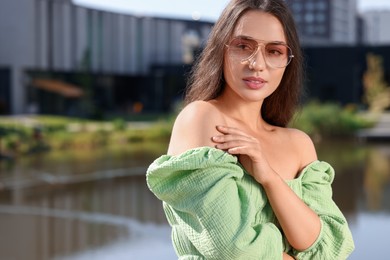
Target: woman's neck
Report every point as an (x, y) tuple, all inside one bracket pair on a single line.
[(243, 112)]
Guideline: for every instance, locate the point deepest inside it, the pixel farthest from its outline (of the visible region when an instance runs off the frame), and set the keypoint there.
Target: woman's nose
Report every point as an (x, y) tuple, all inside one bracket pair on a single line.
[(258, 62)]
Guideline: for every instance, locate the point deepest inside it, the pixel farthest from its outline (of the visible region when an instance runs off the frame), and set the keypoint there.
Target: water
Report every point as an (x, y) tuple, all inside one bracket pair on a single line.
[(95, 205)]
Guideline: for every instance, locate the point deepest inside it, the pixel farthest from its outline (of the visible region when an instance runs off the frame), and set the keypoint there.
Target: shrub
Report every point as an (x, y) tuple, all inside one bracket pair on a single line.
[(328, 120), (119, 124)]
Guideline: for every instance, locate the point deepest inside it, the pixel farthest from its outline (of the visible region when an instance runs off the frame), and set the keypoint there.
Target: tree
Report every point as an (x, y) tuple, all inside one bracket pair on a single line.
[(376, 90)]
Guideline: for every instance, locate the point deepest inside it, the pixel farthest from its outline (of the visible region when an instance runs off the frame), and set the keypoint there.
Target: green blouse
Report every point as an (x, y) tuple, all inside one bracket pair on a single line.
[(218, 211)]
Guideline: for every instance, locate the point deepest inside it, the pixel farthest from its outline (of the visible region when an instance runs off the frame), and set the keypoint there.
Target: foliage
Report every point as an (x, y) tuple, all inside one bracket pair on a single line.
[(376, 90), (329, 120), (39, 133), (22, 135), (119, 124)]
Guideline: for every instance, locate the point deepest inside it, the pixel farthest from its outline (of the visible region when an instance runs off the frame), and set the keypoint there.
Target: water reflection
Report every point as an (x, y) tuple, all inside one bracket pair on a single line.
[(362, 190), (76, 210), (377, 177), (63, 220), (47, 233), (96, 205)]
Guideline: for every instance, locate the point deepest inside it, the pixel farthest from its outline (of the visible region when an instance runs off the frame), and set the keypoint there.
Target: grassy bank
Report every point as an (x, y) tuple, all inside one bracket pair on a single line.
[(330, 120), (27, 134)]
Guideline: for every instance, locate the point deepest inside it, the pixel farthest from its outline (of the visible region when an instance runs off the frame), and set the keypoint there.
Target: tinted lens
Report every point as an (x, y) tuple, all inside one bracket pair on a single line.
[(241, 49), (276, 55)]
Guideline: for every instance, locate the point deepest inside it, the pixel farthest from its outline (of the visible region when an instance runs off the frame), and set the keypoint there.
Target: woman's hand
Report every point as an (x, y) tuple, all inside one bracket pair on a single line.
[(301, 228), (248, 148)]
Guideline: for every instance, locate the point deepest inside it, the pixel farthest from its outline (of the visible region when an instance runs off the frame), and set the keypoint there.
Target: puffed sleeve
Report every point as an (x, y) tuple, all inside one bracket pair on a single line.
[(335, 239), (207, 203)]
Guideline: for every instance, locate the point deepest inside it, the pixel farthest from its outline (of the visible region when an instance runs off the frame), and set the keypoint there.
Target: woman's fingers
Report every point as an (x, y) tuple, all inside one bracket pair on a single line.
[(234, 140), (231, 144), (247, 147), (226, 142), (238, 150), (229, 138), (231, 130)]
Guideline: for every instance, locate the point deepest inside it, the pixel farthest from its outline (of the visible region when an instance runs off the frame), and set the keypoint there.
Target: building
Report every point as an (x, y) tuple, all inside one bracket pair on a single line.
[(57, 36), (59, 58), (325, 22), (376, 27)]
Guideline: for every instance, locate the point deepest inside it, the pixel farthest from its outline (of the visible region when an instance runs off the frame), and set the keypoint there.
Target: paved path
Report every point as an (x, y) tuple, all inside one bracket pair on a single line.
[(381, 131)]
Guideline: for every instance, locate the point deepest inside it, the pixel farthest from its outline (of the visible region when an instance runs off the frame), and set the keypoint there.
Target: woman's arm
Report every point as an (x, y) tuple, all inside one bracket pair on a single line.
[(194, 127), (206, 202), (300, 224), (314, 187)]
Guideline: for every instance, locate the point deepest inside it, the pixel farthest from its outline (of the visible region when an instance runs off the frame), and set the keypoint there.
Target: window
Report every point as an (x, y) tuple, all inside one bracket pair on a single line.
[(321, 29), (310, 29), (320, 17), (297, 7), (309, 17), (298, 18), (321, 5), (310, 6)]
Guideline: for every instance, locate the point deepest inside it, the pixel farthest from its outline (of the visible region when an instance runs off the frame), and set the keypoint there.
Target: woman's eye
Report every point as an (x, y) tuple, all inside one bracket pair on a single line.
[(275, 52), (243, 46)]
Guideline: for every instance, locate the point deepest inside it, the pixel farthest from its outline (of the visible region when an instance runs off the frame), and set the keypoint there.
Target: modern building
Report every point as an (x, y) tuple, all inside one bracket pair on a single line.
[(58, 57), (376, 27), (41, 36), (325, 22)]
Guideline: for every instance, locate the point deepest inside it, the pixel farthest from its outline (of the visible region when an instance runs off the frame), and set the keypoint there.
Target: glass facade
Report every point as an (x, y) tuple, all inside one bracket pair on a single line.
[(324, 21)]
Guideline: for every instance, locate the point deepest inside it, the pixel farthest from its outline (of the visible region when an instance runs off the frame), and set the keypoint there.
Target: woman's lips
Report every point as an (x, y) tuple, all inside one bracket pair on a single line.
[(254, 82)]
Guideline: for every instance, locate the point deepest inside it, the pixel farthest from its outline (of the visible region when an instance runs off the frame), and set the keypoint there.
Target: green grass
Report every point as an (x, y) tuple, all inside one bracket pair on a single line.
[(329, 120), (23, 135)]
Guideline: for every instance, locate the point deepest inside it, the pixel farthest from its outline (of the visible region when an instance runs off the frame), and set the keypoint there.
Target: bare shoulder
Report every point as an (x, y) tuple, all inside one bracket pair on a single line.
[(194, 127), (303, 145)]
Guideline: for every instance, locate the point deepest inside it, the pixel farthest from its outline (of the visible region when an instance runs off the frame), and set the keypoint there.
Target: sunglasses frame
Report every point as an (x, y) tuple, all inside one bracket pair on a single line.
[(290, 56)]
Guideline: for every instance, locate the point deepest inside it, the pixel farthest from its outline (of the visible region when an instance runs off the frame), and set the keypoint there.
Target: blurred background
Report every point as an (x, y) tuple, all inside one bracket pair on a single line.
[(88, 93)]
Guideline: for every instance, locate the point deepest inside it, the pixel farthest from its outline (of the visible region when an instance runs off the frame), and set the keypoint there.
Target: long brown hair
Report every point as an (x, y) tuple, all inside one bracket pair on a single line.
[(206, 80)]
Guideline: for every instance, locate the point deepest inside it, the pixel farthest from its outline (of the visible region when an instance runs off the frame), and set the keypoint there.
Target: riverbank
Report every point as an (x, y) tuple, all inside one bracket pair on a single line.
[(21, 135), (379, 132)]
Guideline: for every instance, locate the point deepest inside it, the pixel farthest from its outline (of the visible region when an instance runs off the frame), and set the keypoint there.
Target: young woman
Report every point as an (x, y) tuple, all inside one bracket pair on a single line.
[(236, 183)]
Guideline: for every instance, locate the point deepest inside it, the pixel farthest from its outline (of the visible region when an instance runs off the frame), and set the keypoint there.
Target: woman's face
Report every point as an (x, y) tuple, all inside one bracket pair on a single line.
[(255, 78)]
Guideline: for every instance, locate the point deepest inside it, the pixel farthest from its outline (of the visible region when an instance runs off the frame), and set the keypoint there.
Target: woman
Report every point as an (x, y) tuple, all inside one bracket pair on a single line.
[(236, 183)]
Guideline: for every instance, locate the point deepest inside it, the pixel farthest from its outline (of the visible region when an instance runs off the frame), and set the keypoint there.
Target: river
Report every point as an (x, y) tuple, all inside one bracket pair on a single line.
[(83, 205)]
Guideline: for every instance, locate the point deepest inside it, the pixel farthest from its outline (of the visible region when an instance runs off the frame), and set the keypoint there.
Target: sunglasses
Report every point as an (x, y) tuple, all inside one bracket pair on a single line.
[(244, 49)]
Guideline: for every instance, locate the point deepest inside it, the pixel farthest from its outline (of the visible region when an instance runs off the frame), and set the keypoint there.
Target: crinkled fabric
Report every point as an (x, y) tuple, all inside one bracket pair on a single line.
[(218, 211)]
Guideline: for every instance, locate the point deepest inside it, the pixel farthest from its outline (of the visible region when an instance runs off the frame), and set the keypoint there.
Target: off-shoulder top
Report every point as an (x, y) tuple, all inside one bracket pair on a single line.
[(218, 211)]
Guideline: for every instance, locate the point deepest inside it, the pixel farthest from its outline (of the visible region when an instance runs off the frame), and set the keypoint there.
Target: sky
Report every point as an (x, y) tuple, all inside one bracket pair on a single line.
[(206, 10)]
